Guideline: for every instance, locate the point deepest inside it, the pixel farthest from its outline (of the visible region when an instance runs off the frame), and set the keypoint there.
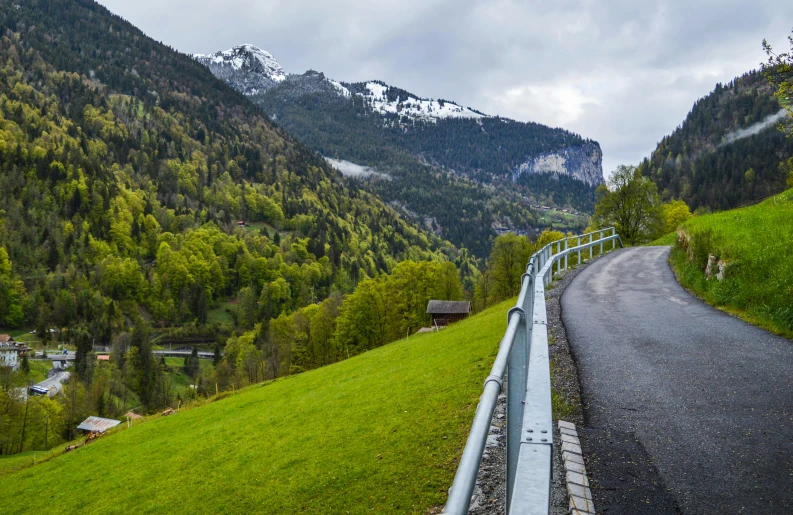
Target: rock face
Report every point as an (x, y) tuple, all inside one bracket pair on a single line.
[(311, 83), (583, 162), (247, 68)]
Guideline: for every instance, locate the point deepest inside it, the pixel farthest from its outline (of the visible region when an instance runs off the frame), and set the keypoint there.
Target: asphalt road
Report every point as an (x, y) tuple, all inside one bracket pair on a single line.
[(706, 395), (56, 382)]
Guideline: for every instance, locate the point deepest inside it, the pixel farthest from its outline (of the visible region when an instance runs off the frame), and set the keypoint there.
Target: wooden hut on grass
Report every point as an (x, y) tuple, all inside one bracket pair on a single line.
[(445, 312)]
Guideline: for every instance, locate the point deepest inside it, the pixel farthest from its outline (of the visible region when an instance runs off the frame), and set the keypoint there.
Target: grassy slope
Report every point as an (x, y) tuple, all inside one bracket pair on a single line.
[(13, 462), (757, 242), (663, 241), (39, 369), (180, 381), (379, 432), (219, 314)]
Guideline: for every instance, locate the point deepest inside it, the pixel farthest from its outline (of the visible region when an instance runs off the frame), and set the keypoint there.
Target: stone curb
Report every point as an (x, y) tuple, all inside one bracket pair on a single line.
[(575, 471)]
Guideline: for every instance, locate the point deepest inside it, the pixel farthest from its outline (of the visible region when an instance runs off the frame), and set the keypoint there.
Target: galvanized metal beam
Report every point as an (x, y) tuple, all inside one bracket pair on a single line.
[(524, 352)]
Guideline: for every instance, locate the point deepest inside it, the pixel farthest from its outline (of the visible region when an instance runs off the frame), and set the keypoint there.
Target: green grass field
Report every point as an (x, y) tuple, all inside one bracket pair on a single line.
[(180, 381), (381, 432), (219, 314), (16, 333), (39, 369), (569, 221), (756, 242), (663, 241), (13, 462)]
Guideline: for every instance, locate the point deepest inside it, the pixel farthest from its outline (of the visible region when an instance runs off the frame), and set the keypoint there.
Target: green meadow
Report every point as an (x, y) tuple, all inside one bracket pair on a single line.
[(380, 432), (755, 244)]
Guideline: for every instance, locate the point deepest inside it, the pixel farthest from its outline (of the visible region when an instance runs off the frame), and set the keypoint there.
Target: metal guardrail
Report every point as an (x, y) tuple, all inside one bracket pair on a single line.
[(523, 354)]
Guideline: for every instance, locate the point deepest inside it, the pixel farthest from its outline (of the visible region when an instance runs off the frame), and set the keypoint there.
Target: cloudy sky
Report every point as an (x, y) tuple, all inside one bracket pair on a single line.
[(624, 73)]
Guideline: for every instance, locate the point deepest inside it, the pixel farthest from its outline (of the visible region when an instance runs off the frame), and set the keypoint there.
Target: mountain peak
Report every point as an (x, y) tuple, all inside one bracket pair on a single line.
[(246, 59)]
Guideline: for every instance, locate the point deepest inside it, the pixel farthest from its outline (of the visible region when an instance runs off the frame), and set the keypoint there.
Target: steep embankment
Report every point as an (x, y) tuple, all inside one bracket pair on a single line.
[(740, 260), (381, 431)]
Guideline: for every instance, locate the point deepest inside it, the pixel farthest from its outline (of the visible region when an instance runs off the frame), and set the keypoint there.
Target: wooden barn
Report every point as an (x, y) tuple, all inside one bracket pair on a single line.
[(445, 312)]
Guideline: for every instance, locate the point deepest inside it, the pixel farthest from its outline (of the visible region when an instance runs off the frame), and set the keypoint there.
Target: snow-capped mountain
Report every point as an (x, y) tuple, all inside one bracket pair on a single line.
[(246, 67), (318, 110), (254, 71)]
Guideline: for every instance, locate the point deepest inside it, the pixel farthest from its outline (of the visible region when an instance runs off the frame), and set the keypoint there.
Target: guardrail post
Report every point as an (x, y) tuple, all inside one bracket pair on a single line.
[(589, 248), (579, 251), (558, 263), (544, 260), (549, 257), (566, 246), (600, 237)]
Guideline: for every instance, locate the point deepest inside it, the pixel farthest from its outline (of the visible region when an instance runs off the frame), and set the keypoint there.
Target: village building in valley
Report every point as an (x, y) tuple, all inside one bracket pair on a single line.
[(11, 352)]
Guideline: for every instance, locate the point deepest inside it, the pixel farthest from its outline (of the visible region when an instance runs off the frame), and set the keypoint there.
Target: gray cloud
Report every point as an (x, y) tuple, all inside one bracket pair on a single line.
[(624, 73)]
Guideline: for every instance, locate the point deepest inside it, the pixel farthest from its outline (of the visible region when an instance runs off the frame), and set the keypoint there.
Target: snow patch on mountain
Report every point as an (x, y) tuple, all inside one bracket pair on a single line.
[(382, 100), (341, 90)]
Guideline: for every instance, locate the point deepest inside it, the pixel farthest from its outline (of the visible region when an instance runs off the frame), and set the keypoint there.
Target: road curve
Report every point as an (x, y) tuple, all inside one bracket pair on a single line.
[(708, 396)]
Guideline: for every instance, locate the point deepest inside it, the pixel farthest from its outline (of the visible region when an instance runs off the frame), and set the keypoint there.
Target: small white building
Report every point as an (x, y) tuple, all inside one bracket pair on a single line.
[(11, 351)]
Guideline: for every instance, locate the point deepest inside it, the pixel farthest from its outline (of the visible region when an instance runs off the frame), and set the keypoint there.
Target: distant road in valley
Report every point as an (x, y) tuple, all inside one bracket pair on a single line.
[(707, 397)]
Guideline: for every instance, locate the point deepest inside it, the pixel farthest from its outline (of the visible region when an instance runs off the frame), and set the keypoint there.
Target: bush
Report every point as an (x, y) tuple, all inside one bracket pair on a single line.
[(700, 248)]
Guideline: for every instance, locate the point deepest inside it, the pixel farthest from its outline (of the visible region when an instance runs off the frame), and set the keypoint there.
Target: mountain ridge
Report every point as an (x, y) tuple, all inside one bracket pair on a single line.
[(400, 107)]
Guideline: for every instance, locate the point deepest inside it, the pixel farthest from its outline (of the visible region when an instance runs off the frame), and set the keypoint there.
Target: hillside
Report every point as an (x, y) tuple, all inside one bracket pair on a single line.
[(728, 151), (457, 169), (379, 432), (126, 167), (749, 251)]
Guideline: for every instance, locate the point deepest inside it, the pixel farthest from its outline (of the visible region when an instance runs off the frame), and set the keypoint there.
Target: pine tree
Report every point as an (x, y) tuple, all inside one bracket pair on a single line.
[(24, 365), (216, 358), (194, 366)]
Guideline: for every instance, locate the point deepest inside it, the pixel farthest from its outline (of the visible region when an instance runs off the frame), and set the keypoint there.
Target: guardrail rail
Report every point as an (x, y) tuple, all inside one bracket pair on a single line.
[(523, 356)]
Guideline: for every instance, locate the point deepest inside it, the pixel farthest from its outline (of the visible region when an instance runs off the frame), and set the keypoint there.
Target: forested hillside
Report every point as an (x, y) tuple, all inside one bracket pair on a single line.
[(728, 152), (457, 170), (343, 127), (125, 168)]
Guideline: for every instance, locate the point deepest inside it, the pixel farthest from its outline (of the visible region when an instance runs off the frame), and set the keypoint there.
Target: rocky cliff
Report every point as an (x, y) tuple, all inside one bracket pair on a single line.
[(582, 162)]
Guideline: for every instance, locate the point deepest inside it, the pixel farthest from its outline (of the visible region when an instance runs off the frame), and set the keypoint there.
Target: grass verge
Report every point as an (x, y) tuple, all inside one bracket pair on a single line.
[(663, 241), (379, 432), (753, 246)]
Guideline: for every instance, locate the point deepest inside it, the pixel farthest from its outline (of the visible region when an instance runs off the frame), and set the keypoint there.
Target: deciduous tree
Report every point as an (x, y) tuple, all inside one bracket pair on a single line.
[(630, 203), (779, 72)]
